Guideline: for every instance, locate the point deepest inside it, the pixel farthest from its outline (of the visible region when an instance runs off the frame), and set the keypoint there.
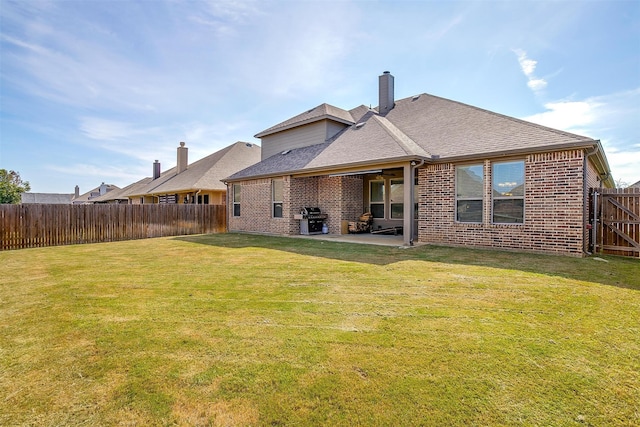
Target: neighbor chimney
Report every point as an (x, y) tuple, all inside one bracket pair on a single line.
[(156, 169), (77, 193), (385, 93), (182, 158)]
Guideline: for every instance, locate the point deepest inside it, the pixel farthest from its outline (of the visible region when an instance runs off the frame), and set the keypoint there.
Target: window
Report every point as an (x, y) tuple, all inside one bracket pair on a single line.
[(203, 199), (236, 199), (277, 191), (508, 192), (397, 198), (469, 191), (376, 198)]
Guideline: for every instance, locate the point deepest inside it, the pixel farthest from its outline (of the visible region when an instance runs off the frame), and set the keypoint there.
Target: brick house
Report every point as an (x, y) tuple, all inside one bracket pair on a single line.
[(442, 171), (198, 183)]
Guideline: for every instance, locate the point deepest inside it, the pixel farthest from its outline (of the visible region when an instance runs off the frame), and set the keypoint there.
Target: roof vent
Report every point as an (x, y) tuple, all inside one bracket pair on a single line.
[(248, 144), (359, 125), (285, 152), (415, 97)]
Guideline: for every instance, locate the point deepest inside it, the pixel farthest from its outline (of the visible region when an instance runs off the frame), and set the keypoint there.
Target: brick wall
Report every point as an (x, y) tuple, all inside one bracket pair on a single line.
[(256, 210), (553, 207), (341, 198), (338, 197)]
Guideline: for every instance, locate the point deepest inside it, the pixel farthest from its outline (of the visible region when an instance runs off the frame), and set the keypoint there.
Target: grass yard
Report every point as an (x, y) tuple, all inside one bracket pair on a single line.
[(240, 330)]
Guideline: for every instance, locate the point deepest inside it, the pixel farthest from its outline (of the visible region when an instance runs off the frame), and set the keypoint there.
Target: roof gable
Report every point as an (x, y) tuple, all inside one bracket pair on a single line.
[(321, 112)]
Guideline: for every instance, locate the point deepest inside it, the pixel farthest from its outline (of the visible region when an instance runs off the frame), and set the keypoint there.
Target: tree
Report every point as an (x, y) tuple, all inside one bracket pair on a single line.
[(12, 186)]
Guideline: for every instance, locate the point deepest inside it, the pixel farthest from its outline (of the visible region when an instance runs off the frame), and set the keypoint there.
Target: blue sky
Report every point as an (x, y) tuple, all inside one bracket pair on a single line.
[(94, 91)]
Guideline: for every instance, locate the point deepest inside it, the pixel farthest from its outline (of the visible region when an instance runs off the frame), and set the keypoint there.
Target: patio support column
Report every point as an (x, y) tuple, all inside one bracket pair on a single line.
[(407, 222)]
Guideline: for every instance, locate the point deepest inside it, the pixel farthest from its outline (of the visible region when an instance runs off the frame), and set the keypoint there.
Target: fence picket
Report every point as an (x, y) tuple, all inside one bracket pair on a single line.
[(28, 226), (618, 225)]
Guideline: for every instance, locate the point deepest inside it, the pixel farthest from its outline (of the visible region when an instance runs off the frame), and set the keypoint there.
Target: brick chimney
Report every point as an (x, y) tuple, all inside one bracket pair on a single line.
[(385, 93), (156, 169), (182, 158)]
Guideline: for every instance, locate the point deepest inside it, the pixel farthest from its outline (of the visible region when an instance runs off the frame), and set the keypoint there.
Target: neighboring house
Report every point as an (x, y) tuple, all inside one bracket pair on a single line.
[(68, 199), (90, 196), (46, 198), (636, 185), (446, 172), (120, 196), (199, 182)]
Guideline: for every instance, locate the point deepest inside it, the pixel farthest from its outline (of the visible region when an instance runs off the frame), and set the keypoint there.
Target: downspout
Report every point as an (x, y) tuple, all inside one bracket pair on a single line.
[(195, 196), (412, 190)]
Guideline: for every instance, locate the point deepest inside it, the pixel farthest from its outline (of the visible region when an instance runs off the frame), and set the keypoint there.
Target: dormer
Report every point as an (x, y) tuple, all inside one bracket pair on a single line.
[(309, 128)]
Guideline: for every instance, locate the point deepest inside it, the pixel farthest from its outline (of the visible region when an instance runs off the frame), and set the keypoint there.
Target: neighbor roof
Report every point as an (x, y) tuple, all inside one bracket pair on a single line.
[(423, 127), (46, 198), (122, 193), (204, 174)]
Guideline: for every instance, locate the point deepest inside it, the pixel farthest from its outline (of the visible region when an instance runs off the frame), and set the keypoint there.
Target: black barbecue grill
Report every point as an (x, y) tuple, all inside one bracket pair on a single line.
[(312, 220)]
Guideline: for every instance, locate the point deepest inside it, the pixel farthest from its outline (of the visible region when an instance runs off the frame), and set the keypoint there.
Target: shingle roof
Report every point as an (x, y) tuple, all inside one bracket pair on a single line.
[(422, 126), (323, 111), (46, 198), (452, 129), (89, 196), (123, 193), (280, 163), (204, 174)]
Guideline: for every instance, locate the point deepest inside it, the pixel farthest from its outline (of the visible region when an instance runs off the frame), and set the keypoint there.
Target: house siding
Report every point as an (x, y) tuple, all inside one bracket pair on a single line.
[(303, 136), (553, 207)]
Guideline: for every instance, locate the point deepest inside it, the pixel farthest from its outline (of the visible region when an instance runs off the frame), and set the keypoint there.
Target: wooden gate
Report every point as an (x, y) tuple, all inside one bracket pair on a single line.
[(615, 219)]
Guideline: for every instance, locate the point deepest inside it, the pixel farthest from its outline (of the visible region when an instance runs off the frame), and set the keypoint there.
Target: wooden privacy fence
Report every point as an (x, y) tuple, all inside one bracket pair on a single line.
[(29, 226), (616, 218)]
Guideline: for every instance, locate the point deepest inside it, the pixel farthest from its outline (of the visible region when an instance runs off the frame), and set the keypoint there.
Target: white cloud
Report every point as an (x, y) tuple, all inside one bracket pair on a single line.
[(567, 115), (536, 85), (528, 67), (610, 118)]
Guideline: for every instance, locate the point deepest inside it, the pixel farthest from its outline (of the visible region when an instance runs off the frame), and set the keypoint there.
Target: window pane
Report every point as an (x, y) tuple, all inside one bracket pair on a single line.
[(277, 210), (377, 191), (236, 209), (469, 211), (508, 211), (397, 191), (236, 193), (469, 182), (377, 210), (508, 179), (278, 186), (397, 210)]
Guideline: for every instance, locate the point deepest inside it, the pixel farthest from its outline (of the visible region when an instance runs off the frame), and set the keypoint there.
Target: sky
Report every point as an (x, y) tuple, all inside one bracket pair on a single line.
[(94, 91)]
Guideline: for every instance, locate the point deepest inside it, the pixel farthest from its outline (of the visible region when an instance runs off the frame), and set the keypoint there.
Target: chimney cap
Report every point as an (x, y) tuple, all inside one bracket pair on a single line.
[(386, 72), (181, 144)]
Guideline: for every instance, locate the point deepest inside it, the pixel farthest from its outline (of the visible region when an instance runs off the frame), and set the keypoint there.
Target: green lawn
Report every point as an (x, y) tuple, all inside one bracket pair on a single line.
[(236, 330)]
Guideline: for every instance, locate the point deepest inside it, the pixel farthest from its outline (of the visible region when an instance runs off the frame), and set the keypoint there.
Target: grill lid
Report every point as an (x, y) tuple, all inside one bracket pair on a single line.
[(311, 211)]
